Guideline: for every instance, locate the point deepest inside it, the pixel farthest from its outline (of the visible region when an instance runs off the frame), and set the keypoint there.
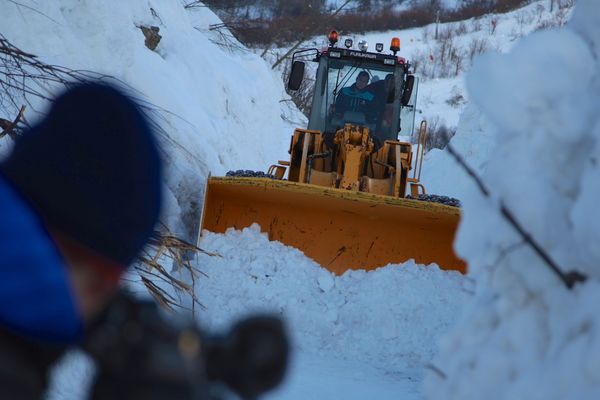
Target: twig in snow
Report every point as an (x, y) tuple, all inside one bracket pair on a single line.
[(437, 371), (570, 278), (195, 4), (34, 10)]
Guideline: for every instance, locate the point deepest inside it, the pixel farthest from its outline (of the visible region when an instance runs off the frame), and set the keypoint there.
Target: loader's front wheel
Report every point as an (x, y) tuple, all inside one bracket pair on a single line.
[(247, 173), (435, 198)]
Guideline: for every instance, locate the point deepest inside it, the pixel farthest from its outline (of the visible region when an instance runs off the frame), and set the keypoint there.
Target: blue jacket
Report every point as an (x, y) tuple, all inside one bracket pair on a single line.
[(353, 99), (36, 301)]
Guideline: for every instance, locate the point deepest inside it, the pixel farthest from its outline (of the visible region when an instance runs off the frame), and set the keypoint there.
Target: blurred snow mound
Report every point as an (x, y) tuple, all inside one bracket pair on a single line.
[(525, 336)]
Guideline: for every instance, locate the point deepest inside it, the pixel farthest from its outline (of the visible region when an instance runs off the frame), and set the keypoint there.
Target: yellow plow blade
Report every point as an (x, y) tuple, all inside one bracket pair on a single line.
[(339, 229)]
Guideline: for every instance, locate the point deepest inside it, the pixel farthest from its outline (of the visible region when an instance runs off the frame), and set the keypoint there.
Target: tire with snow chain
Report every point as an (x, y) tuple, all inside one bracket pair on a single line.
[(247, 173), (434, 198)]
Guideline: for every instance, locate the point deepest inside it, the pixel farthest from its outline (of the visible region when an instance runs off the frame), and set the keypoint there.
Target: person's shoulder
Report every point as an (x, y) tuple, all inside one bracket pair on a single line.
[(34, 275), (348, 90)]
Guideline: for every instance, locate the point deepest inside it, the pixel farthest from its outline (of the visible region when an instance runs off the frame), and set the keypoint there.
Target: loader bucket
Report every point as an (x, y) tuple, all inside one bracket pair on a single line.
[(339, 229)]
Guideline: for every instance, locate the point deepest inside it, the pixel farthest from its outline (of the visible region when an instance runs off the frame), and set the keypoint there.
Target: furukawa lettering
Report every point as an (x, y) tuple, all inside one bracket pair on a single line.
[(363, 55)]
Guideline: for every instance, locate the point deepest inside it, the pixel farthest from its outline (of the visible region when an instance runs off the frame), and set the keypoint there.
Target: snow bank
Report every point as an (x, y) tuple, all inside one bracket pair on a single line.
[(475, 141), (218, 105), (389, 318), (525, 336)]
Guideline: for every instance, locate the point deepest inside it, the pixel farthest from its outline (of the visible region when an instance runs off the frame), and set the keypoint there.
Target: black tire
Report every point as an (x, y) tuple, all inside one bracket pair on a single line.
[(246, 173), (434, 198)]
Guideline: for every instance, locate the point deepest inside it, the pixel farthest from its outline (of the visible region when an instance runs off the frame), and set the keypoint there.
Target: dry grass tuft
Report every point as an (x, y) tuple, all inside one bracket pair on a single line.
[(167, 248)]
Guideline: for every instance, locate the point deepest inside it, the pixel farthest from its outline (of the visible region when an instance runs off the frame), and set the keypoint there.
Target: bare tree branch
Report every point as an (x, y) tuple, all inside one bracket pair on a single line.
[(24, 77), (195, 4), (11, 128), (305, 37), (33, 9)]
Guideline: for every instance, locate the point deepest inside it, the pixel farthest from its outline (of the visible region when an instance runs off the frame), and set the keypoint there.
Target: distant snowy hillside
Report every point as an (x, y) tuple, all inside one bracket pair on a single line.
[(441, 63), (443, 98), (474, 137), (219, 106)]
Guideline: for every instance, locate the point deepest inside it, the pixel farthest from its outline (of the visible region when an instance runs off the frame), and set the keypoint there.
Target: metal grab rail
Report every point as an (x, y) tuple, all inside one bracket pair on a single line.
[(420, 150)]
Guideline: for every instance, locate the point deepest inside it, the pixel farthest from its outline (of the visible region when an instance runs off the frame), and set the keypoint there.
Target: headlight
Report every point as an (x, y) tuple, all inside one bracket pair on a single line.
[(363, 45)]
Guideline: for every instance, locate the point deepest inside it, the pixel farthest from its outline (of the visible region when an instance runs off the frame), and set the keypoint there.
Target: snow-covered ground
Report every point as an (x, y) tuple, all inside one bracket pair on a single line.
[(508, 330)]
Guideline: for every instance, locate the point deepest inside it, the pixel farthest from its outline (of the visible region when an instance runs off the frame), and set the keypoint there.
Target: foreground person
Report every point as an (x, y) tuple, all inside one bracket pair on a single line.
[(80, 195)]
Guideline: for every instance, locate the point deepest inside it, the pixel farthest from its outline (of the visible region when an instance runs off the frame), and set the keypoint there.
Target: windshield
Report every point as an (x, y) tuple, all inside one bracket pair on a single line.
[(359, 93)]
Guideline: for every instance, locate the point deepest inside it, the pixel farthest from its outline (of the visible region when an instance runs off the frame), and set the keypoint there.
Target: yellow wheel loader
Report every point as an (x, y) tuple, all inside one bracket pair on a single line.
[(341, 198)]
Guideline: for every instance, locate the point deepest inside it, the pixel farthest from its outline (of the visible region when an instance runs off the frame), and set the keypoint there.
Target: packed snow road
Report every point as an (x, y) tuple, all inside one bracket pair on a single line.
[(317, 377)]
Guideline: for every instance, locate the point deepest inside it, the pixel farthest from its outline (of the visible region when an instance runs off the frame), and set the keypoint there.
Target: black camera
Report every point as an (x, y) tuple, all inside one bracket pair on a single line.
[(141, 355)]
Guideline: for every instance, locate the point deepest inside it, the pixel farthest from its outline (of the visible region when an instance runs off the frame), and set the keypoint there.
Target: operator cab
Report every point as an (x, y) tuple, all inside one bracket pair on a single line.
[(372, 90)]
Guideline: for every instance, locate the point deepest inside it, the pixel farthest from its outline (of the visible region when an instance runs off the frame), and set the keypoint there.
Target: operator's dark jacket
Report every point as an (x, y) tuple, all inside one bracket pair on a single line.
[(353, 99)]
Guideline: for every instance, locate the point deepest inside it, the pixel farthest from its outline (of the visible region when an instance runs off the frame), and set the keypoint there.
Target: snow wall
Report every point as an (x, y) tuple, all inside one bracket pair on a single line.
[(214, 99), (525, 336)]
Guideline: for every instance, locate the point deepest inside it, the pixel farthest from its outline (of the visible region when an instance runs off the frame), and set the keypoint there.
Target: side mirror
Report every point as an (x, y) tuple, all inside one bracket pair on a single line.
[(296, 75), (408, 88)]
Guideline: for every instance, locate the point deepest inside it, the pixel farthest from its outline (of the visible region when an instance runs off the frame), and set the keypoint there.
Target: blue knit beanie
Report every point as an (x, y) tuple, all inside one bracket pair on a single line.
[(92, 171)]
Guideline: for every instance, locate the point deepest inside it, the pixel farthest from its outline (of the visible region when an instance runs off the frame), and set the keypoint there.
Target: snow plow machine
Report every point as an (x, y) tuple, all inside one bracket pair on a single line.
[(349, 195)]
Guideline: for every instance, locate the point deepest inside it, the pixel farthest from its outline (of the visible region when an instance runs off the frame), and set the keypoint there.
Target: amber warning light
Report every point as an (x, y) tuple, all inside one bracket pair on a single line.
[(333, 38), (395, 46)]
